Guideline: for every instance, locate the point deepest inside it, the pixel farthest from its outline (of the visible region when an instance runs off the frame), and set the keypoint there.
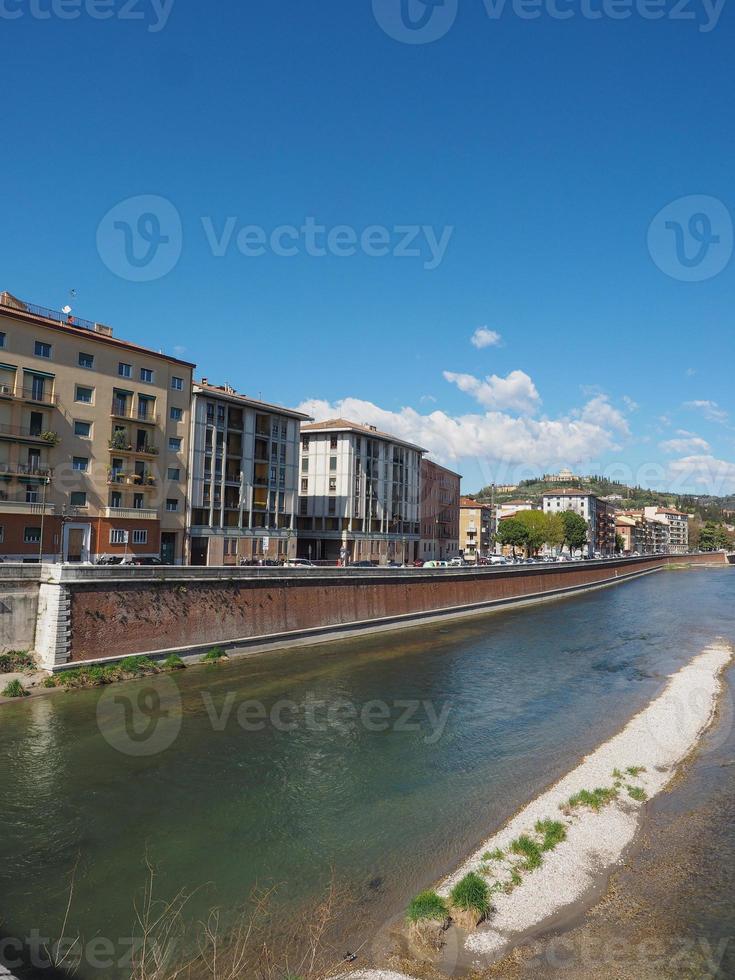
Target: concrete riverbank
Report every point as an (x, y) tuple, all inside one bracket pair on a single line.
[(74, 614)]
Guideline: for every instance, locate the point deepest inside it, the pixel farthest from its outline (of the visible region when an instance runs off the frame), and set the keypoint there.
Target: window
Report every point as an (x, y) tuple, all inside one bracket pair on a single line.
[(78, 498), (124, 370), (171, 504), (2, 344), (86, 360), (304, 486), (305, 465), (2, 529), (41, 349), (83, 429), (174, 444), (84, 394), (118, 536), (177, 384), (137, 501), (32, 535), (174, 473), (140, 537), (80, 463), (146, 374), (332, 484), (176, 414), (333, 464), (333, 442), (305, 443), (32, 494), (115, 499)]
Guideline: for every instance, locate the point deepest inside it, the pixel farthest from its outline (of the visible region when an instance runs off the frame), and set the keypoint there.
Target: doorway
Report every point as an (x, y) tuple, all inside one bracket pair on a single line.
[(75, 542), (168, 547)]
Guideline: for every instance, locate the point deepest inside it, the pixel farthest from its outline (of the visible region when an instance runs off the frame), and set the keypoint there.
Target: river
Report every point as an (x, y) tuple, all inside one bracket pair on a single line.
[(381, 761)]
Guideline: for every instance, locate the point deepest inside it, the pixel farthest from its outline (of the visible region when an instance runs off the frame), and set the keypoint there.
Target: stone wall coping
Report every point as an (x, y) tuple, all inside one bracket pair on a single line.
[(71, 575)]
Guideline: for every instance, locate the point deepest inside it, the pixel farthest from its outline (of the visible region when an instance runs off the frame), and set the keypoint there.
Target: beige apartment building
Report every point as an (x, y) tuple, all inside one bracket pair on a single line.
[(244, 472), (476, 529), (94, 437)]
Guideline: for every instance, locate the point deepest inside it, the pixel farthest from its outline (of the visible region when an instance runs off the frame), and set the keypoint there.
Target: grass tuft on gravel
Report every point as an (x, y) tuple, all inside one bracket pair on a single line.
[(471, 893), (594, 799), (427, 905), (553, 833)]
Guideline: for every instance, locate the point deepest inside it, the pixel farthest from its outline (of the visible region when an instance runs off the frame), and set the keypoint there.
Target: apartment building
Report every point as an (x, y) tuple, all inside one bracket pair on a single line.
[(598, 513), (358, 494), (476, 528), (677, 523), (635, 532), (93, 440), (244, 468), (439, 512)]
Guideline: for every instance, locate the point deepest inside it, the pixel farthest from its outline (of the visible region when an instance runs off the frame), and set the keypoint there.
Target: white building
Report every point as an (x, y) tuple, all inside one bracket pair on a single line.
[(243, 477), (359, 494), (599, 515), (677, 522)]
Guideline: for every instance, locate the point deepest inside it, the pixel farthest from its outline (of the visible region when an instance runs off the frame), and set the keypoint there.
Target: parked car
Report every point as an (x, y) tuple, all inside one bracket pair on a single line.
[(147, 561), (363, 564), (458, 563), (497, 560), (300, 563), (436, 564)]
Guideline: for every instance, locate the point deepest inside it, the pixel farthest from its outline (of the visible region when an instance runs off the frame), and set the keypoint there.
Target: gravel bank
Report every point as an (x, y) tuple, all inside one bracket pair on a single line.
[(656, 740)]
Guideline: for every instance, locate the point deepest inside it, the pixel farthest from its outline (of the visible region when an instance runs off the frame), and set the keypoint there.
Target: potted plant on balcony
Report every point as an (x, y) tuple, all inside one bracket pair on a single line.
[(52, 438), (119, 441)]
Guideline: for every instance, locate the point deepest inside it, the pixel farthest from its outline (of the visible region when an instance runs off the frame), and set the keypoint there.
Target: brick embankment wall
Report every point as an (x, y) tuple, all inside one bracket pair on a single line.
[(118, 612)]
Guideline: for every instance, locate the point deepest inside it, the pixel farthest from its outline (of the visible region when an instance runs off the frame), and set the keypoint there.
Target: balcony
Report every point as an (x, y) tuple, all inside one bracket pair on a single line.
[(131, 513), (126, 448), (26, 507), (21, 432), (37, 396), (21, 469), (119, 479), (121, 410)]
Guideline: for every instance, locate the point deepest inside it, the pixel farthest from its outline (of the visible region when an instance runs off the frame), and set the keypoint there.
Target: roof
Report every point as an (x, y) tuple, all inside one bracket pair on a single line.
[(671, 510), (204, 388), (626, 521), (568, 492), (10, 306), (369, 430), (438, 466), (469, 502)]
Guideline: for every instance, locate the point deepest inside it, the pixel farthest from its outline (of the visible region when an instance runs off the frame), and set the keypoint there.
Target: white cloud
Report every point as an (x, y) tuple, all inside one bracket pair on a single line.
[(483, 337), (515, 392), (686, 443), (690, 372), (493, 436), (711, 410), (598, 411), (715, 476), (631, 405)]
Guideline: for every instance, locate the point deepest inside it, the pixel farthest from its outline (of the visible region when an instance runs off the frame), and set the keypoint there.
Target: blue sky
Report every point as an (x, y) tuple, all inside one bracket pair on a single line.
[(525, 160)]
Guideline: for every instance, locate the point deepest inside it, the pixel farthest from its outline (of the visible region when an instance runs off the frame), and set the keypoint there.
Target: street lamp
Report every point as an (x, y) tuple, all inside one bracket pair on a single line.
[(46, 481)]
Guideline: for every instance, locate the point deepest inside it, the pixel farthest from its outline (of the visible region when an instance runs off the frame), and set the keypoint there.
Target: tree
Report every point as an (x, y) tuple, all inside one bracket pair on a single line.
[(511, 532), (619, 544), (554, 530), (536, 526), (575, 530)]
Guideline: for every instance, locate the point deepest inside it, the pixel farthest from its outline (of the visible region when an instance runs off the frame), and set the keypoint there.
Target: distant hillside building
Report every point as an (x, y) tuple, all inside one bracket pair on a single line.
[(476, 528), (598, 513), (563, 476), (439, 512)]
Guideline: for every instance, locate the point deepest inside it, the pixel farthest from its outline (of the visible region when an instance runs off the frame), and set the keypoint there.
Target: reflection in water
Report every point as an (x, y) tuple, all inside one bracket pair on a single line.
[(288, 766)]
